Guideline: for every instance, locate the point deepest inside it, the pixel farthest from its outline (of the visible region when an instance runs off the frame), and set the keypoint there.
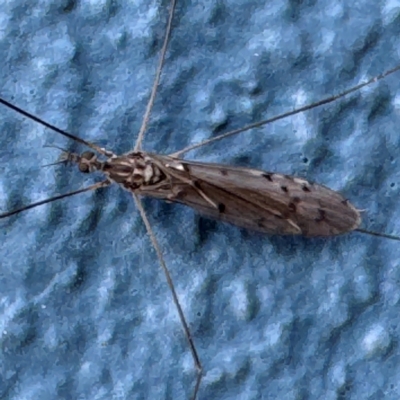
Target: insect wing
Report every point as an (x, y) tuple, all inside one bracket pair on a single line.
[(261, 201)]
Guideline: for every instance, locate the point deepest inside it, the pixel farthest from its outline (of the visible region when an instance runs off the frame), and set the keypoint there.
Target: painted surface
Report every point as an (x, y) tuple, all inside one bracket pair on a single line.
[(85, 312)]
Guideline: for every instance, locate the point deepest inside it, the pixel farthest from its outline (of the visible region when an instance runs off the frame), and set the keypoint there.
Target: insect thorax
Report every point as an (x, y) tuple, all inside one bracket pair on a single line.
[(132, 170)]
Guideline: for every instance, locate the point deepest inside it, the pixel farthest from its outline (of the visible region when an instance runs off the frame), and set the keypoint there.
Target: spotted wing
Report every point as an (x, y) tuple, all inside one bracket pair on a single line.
[(258, 200)]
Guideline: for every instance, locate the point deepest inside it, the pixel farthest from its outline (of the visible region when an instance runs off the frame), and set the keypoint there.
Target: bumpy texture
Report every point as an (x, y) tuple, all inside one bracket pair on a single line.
[(85, 312)]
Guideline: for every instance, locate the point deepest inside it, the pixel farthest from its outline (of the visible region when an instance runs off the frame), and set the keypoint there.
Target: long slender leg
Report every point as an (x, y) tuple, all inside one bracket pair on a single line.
[(156, 79), (139, 205), (307, 107), (185, 325), (95, 186)]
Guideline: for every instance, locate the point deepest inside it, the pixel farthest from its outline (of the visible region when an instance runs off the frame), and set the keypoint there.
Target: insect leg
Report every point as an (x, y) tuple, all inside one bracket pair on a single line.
[(182, 318)]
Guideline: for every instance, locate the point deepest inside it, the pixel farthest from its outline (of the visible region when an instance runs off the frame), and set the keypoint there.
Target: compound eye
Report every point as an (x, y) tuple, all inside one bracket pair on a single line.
[(83, 167)]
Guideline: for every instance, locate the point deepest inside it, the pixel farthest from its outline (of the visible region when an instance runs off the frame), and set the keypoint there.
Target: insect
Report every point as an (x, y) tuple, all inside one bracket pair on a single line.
[(177, 373)]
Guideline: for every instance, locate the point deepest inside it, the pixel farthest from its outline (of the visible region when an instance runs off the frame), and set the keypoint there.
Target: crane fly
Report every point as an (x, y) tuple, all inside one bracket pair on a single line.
[(268, 202)]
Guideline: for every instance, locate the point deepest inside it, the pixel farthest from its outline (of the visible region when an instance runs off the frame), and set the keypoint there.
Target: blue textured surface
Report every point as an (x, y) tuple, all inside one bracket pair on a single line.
[(85, 312)]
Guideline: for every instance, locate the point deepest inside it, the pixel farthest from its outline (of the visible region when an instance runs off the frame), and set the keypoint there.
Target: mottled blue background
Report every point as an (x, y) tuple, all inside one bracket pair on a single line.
[(85, 312)]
